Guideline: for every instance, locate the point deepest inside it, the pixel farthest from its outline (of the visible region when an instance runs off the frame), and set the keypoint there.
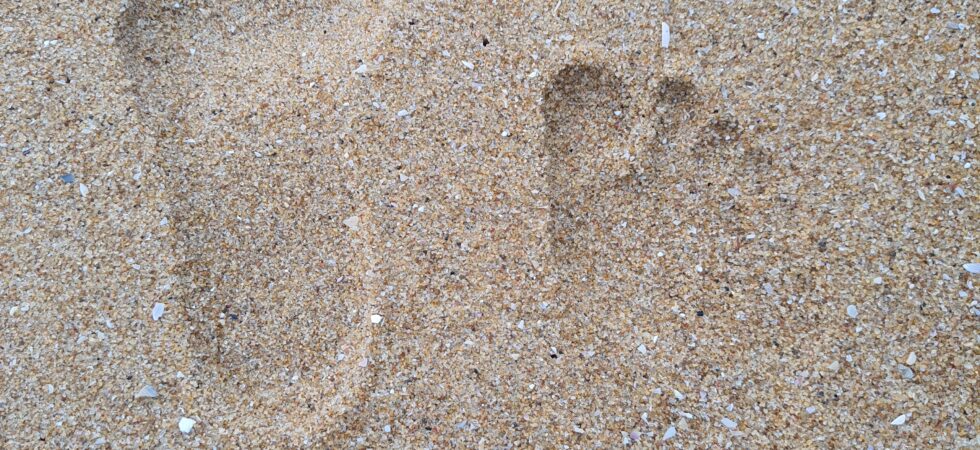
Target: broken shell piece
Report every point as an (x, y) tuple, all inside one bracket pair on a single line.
[(729, 423), (353, 222), (157, 311), (147, 392), (186, 425), (906, 372)]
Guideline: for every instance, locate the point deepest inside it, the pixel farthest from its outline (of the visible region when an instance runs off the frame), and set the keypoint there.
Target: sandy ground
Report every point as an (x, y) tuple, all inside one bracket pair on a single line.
[(465, 224)]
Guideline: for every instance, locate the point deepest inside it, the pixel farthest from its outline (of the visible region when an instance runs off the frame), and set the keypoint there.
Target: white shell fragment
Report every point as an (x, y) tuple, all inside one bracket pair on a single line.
[(900, 420), (157, 312), (376, 318), (147, 392), (353, 222), (768, 288), (852, 311), (83, 189), (671, 432), (729, 423), (906, 372), (972, 267), (186, 425), (664, 35)]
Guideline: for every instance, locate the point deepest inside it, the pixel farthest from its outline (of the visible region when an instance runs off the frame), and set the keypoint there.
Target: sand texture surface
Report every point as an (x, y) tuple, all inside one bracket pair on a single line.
[(496, 224)]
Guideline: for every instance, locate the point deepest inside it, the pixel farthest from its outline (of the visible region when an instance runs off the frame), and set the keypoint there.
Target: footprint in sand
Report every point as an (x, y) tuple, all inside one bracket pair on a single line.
[(585, 111), (272, 284), (606, 224)]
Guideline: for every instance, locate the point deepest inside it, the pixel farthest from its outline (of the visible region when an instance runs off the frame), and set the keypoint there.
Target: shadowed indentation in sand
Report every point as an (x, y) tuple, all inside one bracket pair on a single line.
[(271, 284), (675, 99), (609, 215), (584, 112), (682, 116), (588, 121)]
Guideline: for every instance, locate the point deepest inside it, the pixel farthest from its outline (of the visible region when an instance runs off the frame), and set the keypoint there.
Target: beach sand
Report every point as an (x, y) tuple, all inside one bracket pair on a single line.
[(335, 224)]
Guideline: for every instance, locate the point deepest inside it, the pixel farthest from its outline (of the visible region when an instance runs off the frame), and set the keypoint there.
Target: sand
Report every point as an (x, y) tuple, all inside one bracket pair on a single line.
[(333, 224)]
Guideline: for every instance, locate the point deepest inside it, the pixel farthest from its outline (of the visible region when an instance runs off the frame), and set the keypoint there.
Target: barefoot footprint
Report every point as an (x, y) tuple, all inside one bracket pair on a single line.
[(272, 282), (587, 116), (585, 112), (605, 224)]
